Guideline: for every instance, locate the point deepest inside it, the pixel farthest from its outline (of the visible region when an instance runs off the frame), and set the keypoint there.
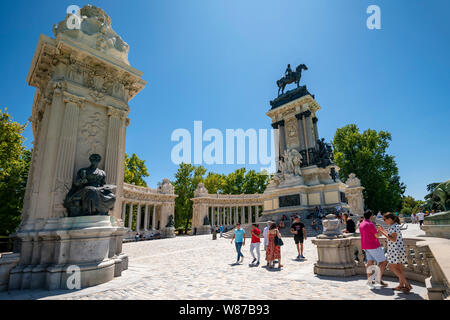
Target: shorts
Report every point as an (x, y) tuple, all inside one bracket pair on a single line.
[(298, 239), (421, 222), (375, 255)]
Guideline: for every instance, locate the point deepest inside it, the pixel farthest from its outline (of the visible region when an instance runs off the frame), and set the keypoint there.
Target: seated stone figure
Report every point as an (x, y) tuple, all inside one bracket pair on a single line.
[(89, 194)]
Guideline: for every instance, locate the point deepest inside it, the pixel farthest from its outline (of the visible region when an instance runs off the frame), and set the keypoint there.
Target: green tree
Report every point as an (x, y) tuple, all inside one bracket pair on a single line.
[(365, 155), (14, 165), (214, 182), (186, 181), (135, 170)]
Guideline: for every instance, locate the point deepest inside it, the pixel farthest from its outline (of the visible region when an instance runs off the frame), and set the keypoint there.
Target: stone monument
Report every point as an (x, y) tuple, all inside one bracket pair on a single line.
[(202, 223), (83, 85), (306, 175)]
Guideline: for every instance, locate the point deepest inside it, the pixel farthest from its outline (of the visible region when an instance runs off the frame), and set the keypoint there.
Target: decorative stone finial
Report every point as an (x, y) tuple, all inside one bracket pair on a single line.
[(95, 31), (166, 187), (201, 190)]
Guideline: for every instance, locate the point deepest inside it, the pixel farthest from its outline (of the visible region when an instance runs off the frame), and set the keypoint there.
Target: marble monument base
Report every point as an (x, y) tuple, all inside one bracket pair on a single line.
[(168, 232), (203, 230), (91, 245)]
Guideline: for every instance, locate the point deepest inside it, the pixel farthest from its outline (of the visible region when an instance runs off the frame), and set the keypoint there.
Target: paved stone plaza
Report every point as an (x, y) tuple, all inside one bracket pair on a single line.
[(196, 267)]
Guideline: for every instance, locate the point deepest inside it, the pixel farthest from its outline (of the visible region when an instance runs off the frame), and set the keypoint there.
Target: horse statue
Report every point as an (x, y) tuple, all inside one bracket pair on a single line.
[(290, 77)]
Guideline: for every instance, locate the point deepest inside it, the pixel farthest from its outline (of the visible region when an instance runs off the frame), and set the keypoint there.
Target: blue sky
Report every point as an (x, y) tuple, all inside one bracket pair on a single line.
[(217, 61)]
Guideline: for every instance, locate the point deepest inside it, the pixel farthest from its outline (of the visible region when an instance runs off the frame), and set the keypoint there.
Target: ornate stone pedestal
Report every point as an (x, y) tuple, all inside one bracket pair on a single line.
[(91, 243), (203, 230), (335, 251), (168, 232)]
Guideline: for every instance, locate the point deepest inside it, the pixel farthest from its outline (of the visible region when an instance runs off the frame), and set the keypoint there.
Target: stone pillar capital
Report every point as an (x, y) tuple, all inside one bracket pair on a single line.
[(71, 98), (117, 113)]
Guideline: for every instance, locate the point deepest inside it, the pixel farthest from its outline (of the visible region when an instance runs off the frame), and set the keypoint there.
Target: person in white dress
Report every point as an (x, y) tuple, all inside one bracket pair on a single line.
[(396, 254)]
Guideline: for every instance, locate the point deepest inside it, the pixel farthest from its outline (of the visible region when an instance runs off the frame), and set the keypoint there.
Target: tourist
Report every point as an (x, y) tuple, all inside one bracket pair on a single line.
[(396, 213), (396, 253), (221, 230), (413, 218), (299, 231), (239, 235), (371, 246), (379, 215), (266, 238), (349, 224), (314, 225), (420, 217), (254, 245), (273, 251), (136, 237)]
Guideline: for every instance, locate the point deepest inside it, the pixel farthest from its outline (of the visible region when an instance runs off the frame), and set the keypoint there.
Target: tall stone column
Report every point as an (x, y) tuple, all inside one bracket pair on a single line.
[(242, 215), (236, 220), (130, 217), (66, 151), (301, 132), (282, 138), (154, 217), (316, 130), (138, 218), (250, 218), (124, 212), (145, 217)]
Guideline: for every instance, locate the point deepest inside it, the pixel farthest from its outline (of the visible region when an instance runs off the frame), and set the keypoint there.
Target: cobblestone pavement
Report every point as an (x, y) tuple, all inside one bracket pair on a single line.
[(197, 267)]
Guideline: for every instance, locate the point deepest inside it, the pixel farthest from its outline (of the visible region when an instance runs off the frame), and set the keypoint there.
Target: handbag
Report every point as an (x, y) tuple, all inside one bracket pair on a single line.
[(278, 241)]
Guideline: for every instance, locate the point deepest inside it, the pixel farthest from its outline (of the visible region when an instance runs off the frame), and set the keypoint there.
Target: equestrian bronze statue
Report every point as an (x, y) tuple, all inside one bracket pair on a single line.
[(290, 77)]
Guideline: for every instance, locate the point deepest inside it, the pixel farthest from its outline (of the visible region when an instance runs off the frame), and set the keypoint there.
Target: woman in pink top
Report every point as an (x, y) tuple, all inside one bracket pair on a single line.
[(371, 245)]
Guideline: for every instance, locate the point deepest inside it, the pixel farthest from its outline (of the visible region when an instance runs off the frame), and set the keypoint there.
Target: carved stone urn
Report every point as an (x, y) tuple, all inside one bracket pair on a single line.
[(331, 227)]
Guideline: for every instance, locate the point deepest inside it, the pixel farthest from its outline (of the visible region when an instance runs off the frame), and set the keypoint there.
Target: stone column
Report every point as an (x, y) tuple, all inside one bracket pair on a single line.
[(213, 219), (242, 215), (250, 218), (66, 151), (113, 144), (145, 217), (130, 216), (138, 218), (301, 131), (154, 217), (124, 211), (236, 215), (316, 130)]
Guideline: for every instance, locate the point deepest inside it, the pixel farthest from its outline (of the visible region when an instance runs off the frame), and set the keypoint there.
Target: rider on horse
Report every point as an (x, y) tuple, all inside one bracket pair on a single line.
[(288, 71)]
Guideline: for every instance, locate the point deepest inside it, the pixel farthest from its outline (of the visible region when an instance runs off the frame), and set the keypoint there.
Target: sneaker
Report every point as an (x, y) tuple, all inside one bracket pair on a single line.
[(242, 258), (370, 284), (254, 260), (257, 264), (299, 256), (302, 256)]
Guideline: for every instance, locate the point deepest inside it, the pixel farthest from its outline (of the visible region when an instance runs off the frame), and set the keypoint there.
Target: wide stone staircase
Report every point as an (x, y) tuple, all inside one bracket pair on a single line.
[(305, 218)]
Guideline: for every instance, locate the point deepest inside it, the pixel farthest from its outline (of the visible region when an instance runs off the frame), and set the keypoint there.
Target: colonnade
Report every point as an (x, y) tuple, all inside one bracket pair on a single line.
[(230, 215), (150, 221)]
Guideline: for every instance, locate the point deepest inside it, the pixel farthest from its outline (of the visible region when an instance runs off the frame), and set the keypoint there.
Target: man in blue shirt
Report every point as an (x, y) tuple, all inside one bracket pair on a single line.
[(239, 241), (221, 230)]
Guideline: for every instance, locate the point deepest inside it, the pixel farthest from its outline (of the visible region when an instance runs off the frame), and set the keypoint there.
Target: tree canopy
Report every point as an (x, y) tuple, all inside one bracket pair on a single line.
[(14, 165), (135, 170), (365, 155)]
